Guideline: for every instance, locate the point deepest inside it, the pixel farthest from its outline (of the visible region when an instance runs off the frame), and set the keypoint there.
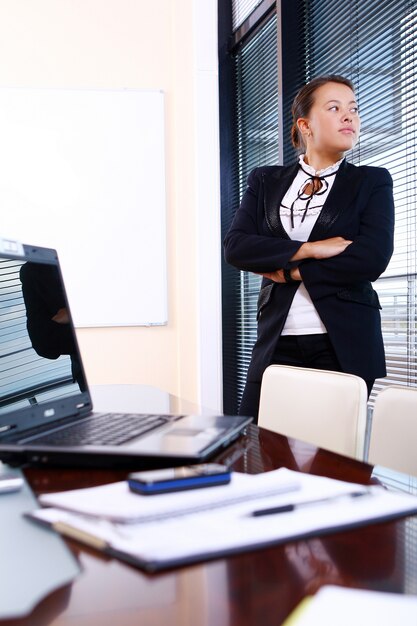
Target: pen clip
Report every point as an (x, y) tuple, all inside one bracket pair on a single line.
[(80, 535)]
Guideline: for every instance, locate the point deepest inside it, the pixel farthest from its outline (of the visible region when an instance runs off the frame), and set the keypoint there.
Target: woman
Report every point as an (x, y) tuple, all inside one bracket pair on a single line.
[(318, 232)]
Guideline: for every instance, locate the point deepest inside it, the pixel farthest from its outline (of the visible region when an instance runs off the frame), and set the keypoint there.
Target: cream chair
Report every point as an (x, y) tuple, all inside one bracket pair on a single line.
[(327, 409), (394, 430)]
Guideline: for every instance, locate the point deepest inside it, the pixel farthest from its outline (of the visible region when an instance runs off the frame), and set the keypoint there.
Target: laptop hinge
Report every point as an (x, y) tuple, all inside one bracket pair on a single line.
[(84, 408)]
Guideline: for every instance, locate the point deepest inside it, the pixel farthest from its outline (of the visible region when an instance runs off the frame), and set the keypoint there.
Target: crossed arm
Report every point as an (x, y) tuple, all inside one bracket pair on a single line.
[(325, 265), (323, 249)]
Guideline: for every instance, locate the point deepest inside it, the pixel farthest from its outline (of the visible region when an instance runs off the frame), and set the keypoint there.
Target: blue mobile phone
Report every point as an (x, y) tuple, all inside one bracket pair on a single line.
[(179, 478)]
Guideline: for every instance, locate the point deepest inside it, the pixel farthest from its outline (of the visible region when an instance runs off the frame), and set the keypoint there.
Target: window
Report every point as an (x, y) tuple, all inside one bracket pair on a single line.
[(255, 141), (372, 42), (241, 9), (376, 49)]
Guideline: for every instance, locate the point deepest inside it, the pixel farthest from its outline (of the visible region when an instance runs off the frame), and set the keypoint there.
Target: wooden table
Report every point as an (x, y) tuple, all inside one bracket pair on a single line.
[(255, 588)]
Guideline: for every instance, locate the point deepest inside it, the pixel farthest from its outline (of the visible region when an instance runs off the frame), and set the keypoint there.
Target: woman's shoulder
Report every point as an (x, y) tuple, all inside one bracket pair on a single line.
[(376, 174), (267, 169), (273, 171)]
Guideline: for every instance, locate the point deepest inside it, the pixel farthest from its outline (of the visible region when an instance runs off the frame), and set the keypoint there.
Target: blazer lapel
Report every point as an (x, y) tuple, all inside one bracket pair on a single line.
[(342, 193), (275, 187)]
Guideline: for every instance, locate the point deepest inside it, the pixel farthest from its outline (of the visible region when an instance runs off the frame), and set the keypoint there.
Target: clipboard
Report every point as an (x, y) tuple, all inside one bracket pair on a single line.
[(233, 529)]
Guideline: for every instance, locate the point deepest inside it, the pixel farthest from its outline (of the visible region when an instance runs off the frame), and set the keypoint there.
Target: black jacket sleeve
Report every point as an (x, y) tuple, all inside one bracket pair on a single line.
[(248, 245), (369, 254)]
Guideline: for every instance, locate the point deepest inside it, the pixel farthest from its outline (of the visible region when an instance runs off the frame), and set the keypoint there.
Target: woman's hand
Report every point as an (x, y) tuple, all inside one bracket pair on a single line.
[(278, 275), (61, 316), (323, 249)]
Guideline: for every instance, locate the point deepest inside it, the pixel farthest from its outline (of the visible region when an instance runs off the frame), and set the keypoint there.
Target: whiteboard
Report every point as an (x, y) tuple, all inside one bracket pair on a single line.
[(83, 171)]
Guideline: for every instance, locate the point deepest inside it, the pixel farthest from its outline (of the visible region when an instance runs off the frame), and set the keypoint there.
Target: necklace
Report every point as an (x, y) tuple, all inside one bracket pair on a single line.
[(313, 186)]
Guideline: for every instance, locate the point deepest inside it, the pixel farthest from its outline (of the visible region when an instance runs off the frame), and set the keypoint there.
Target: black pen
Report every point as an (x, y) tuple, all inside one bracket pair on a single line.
[(286, 508)]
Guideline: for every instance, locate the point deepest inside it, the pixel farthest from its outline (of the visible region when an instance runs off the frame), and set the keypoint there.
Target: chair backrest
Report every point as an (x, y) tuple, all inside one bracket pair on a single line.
[(394, 430), (327, 409)]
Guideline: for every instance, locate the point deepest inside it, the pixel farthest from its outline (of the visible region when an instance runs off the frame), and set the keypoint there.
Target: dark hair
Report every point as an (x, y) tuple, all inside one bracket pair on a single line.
[(304, 100)]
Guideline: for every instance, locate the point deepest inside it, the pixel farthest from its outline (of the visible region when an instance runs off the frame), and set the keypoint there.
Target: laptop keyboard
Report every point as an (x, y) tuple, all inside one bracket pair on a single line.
[(105, 429)]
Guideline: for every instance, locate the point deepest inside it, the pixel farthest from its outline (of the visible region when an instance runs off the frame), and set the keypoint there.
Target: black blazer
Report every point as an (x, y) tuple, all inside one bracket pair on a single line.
[(360, 208)]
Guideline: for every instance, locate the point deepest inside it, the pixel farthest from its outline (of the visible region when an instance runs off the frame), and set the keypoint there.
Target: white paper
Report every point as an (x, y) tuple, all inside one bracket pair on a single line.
[(117, 503), (347, 607), (232, 528)]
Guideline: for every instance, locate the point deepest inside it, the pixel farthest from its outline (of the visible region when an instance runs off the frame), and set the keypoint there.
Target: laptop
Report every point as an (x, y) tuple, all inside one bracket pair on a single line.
[(46, 412)]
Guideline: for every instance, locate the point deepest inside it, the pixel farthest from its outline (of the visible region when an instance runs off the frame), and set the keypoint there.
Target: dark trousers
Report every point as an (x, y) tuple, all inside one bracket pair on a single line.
[(314, 351)]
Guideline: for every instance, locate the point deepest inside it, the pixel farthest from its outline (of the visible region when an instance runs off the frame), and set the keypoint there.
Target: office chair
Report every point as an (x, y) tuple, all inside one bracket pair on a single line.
[(327, 409), (394, 430)]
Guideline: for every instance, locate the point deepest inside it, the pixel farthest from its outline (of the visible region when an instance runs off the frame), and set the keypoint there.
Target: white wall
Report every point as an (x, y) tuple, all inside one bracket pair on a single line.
[(169, 45)]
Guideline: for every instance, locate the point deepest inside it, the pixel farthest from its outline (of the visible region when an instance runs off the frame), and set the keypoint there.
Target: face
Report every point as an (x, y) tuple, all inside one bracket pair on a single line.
[(333, 123)]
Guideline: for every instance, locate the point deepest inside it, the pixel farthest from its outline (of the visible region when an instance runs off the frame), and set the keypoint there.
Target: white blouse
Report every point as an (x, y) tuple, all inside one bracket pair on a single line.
[(299, 212)]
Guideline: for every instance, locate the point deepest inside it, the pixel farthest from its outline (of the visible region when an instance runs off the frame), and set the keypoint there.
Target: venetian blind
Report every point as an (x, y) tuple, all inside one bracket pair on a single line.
[(256, 143), (373, 43), (24, 376)]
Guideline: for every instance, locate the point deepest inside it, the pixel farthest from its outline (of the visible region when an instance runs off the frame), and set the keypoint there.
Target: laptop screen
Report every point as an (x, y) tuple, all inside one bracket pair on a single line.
[(40, 365)]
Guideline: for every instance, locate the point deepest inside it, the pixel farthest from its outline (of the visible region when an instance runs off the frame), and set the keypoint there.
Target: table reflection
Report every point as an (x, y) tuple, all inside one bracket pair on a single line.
[(258, 587)]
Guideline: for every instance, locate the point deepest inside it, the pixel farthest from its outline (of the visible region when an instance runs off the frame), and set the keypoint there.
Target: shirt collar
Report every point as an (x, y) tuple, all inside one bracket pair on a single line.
[(328, 170)]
